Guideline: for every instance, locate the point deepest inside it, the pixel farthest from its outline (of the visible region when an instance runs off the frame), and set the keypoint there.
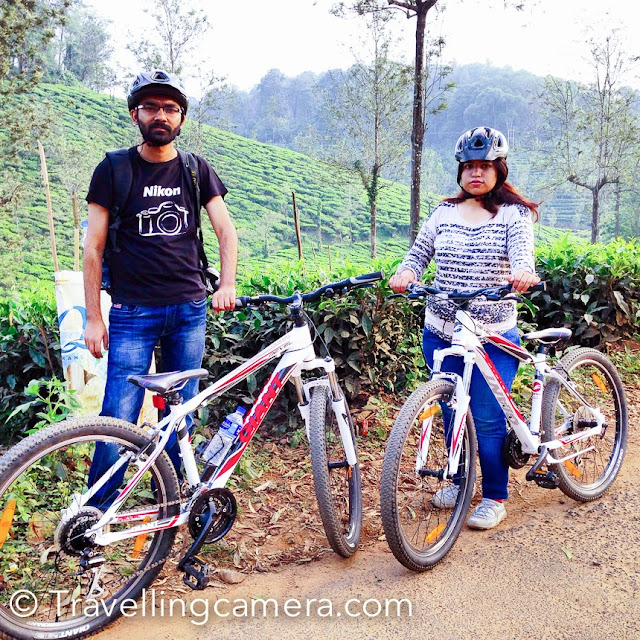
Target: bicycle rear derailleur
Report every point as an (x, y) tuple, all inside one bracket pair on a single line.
[(212, 516)]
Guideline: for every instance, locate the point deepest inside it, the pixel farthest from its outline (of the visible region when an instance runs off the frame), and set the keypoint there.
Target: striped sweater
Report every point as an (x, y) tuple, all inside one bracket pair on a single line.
[(470, 257)]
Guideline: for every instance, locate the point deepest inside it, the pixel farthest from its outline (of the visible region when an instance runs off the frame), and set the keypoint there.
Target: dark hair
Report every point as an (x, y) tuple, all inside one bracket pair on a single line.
[(502, 193)]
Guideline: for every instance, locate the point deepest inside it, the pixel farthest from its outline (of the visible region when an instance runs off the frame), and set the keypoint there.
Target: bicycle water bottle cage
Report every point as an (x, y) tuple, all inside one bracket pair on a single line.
[(167, 384)]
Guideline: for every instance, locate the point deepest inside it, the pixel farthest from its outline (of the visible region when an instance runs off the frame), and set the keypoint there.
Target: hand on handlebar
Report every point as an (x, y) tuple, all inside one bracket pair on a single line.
[(224, 299), (399, 281), (521, 281)]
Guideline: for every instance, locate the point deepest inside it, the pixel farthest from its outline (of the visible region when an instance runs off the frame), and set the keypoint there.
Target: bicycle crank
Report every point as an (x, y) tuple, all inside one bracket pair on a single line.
[(212, 516)]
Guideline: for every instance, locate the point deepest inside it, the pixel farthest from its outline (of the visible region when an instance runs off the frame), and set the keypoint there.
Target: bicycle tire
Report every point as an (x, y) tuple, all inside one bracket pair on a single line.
[(337, 485), (587, 476), (418, 533), (38, 479)]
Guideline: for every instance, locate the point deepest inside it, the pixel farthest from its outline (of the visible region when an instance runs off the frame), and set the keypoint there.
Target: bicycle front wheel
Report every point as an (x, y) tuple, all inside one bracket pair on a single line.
[(337, 484), (56, 582), (423, 512), (592, 464)]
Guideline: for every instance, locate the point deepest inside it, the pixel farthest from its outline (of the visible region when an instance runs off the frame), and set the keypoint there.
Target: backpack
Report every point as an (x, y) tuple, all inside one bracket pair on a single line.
[(121, 181)]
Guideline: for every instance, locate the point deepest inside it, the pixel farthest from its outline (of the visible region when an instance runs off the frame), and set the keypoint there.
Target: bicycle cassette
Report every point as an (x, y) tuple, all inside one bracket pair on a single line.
[(224, 507)]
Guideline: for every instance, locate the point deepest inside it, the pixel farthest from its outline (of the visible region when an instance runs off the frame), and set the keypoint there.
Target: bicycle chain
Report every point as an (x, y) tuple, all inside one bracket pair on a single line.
[(172, 554)]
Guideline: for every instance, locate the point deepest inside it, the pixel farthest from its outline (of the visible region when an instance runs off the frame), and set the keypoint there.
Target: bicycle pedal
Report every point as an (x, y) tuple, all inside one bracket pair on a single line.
[(196, 573), (548, 480)]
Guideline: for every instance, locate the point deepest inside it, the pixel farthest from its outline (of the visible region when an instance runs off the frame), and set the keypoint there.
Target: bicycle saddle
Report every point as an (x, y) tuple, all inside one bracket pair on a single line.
[(164, 382), (549, 336)]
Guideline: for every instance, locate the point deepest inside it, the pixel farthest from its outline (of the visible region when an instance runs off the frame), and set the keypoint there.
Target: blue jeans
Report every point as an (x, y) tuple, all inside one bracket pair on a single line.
[(489, 419), (134, 332)]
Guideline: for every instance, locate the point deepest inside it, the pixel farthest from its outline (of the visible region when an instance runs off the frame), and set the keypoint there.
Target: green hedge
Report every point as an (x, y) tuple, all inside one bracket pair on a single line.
[(375, 340)]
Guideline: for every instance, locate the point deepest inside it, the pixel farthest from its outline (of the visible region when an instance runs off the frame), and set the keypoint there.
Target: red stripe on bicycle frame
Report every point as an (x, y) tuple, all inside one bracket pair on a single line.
[(491, 366), (508, 346), (259, 410)]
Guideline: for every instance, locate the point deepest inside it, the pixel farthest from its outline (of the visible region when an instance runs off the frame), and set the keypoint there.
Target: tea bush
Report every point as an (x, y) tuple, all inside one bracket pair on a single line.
[(375, 340)]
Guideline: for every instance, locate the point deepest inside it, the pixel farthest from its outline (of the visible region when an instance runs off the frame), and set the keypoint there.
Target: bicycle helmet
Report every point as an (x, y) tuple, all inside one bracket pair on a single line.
[(157, 82), (481, 143)]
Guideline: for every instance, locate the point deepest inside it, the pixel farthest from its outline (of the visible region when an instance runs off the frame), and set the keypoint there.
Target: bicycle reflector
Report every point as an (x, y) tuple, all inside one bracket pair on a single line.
[(599, 383), (6, 520), (159, 402), (434, 533), (430, 411)]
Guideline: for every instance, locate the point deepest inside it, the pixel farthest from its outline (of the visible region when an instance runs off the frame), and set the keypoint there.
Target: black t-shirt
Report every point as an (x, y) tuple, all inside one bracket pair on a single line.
[(157, 262)]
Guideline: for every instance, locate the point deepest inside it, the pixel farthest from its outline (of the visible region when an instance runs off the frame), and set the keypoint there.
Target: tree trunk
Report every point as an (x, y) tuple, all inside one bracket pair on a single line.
[(617, 212), (417, 132), (373, 210), (595, 215)]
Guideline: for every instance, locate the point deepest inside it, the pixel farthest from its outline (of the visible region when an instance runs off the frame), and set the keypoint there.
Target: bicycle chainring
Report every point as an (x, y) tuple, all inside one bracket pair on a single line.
[(513, 451), (225, 509)]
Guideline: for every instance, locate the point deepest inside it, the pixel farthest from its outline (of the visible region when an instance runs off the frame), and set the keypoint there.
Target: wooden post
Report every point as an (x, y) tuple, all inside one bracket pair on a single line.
[(45, 180), (76, 232), (329, 252), (296, 218)]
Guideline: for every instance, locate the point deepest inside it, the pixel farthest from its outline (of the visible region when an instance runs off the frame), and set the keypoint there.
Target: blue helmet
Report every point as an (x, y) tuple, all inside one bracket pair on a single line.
[(157, 82), (481, 143)]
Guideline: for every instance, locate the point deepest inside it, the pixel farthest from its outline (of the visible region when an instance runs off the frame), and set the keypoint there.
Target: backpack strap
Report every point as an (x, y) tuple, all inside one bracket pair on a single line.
[(191, 168), (121, 180)]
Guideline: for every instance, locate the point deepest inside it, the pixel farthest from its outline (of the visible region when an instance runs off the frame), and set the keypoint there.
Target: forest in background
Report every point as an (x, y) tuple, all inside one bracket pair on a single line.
[(58, 86)]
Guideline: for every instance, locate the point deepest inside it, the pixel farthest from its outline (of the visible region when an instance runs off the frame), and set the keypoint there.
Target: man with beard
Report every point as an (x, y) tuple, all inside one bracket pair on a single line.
[(157, 288)]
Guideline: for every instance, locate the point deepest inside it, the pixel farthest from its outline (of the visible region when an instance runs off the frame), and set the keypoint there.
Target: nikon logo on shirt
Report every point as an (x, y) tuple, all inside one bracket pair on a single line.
[(157, 190)]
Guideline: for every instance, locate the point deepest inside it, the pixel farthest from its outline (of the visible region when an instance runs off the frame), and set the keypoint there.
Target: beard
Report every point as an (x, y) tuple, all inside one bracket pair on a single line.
[(158, 134)]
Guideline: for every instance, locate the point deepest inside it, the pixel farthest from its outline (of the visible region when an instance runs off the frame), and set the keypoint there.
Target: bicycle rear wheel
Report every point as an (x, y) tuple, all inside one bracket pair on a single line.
[(419, 528), (337, 484), (589, 474), (47, 592)]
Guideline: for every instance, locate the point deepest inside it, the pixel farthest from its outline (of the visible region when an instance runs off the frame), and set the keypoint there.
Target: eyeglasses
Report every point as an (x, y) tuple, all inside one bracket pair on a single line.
[(150, 109)]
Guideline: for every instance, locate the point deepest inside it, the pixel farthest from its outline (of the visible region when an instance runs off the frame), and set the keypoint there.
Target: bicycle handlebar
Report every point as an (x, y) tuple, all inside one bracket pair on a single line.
[(416, 290), (327, 291)]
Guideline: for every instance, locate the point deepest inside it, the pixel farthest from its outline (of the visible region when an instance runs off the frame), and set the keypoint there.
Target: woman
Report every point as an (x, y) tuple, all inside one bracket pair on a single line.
[(481, 238)]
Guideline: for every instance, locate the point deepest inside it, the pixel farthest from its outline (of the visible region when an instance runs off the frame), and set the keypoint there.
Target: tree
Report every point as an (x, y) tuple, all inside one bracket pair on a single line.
[(592, 130), (176, 32), (368, 107), (427, 87), (26, 27)]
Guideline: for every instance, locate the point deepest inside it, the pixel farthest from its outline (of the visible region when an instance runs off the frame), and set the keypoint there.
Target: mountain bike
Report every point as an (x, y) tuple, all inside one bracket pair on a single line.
[(576, 432), (68, 566)]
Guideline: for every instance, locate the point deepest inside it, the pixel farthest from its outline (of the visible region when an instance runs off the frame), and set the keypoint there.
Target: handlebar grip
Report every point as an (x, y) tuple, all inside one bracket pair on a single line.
[(367, 278), (541, 286), (242, 302)]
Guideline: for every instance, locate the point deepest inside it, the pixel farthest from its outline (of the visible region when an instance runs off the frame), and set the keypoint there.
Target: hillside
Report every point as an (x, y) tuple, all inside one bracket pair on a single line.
[(260, 179)]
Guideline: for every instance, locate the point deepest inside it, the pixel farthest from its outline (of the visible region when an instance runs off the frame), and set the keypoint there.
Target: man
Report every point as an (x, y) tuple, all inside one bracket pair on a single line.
[(157, 289)]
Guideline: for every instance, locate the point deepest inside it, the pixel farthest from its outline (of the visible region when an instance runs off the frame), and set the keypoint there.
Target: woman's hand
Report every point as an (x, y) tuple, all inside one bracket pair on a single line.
[(399, 281), (522, 280)]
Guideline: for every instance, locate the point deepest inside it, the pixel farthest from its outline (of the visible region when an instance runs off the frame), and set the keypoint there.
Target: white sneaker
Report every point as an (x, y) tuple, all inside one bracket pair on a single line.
[(446, 498), (488, 514)]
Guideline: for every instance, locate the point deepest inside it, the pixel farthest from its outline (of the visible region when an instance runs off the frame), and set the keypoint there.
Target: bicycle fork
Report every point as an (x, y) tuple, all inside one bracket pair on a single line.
[(338, 404)]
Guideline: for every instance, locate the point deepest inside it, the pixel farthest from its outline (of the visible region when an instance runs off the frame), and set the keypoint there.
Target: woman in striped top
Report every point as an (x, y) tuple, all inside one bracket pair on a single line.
[(481, 238)]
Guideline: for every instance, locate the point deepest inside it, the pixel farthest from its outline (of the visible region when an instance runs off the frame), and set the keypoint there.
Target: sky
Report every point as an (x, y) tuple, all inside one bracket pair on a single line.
[(250, 37)]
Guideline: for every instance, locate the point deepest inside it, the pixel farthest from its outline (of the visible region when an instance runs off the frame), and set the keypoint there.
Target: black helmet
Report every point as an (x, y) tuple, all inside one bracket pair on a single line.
[(481, 143), (157, 82)]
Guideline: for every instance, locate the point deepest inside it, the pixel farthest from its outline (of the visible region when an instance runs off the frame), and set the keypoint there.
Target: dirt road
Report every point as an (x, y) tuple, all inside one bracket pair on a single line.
[(553, 569)]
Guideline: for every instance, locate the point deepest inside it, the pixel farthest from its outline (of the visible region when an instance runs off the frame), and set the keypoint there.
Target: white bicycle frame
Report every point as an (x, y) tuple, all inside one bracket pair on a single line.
[(466, 343), (297, 354)]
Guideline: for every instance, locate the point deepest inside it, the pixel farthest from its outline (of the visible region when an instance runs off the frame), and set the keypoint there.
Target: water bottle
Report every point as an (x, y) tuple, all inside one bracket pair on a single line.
[(220, 443)]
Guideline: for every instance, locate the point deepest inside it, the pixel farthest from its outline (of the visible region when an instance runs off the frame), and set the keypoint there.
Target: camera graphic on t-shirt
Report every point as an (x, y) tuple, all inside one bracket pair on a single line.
[(167, 219)]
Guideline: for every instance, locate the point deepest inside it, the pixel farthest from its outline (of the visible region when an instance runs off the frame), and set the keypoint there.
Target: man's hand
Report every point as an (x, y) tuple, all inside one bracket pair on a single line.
[(399, 281), (224, 299), (95, 335), (522, 280)]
